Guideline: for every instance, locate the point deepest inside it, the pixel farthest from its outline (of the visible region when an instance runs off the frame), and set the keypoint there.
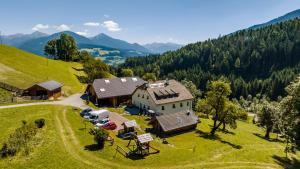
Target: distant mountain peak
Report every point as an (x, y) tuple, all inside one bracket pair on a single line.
[(291, 15), (159, 47)]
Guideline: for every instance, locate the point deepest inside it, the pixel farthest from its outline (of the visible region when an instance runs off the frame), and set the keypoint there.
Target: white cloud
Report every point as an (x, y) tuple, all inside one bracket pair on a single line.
[(111, 26), (84, 33), (38, 27), (106, 16), (62, 27), (91, 24)]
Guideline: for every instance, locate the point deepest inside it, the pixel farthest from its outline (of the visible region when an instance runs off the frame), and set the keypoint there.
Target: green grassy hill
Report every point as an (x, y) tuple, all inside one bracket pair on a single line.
[(65, 137), (22, 69)]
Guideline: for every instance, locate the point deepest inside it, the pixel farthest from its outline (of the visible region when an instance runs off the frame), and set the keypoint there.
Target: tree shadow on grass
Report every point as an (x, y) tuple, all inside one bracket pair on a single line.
[(80, 69), (93, 147), (216, 137), (292, 163), (270, 139), (82, 79)]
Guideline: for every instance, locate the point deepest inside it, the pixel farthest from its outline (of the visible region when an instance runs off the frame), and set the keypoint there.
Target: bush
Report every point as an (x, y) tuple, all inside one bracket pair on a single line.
[(100, 135), (19, 141), (39, 123)]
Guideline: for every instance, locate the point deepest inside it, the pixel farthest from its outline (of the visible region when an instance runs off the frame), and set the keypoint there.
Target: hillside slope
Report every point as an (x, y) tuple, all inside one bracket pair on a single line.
[(261, 61), (22, 69), (288, 16)]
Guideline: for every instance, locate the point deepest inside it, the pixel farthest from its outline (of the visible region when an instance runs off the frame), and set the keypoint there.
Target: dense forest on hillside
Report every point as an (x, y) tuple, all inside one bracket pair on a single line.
[(255, 61)]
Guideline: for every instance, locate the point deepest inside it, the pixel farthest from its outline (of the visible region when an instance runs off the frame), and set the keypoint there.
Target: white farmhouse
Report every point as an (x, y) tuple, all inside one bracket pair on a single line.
[(164, 97)]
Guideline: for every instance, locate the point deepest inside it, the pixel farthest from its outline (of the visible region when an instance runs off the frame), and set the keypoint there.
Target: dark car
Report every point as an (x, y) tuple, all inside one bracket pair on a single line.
[(85, 112), (109, 126)]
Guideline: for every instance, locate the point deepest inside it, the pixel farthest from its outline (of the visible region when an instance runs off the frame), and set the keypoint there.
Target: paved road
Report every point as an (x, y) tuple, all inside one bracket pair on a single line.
[(75, 101)]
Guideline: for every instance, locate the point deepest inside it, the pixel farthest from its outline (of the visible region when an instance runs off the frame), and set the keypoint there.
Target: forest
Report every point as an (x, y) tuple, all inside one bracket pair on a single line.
[(261, 61)]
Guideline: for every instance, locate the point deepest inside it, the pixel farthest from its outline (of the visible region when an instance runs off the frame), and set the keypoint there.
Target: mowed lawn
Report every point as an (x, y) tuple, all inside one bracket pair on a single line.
[(22, 69), (67, 144)]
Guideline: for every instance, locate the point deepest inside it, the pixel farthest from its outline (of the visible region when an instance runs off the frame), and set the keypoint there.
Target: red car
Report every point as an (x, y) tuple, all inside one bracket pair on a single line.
[(110, 126)]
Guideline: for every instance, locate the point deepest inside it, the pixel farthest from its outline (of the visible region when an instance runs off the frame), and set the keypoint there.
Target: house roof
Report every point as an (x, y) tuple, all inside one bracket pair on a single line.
[(50, 85), (144, 138), (177, 120), (170, 91), (131, 123), (111, 87)]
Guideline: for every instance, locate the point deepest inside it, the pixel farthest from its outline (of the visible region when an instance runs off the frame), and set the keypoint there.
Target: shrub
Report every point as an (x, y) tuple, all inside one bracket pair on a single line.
[(100, 135), (39, 123)]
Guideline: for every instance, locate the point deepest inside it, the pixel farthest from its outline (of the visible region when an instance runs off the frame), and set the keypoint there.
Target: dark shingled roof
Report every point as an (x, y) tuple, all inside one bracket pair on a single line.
[(111, 87), (50, 85), (175, 90), (175, 121)]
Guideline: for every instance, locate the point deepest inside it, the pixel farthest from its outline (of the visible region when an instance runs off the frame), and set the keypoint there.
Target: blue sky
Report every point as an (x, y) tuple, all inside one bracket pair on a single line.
[(142, 21)]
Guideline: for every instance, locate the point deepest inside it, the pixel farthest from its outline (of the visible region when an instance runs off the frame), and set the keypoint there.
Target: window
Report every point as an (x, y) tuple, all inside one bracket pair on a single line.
[(148, 107), (187, 103), (181, 105), (147, 97), (174, 106), (143, 96), (138, 95), (162, 107)]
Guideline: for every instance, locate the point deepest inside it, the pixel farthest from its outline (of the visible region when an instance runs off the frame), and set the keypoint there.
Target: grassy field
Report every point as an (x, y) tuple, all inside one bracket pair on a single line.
[(22, 69), (65, 137)]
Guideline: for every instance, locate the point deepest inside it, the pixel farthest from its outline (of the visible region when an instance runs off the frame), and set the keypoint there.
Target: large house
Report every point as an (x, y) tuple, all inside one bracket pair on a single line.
[(113, 91), (163, 97)]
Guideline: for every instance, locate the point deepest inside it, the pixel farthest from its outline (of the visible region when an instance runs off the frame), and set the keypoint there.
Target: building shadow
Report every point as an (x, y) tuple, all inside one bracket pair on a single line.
[(217, 138), (270, 139), (287, 163)]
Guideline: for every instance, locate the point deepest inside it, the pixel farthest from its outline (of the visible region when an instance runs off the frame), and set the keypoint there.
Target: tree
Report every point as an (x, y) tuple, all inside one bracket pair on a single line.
[(50, 48), (237, 63), (267, 116), (149, 77), (193, 89), (64, 48), (95, 69), (126, 73), (289, 123), (100, 135), (217, 104)]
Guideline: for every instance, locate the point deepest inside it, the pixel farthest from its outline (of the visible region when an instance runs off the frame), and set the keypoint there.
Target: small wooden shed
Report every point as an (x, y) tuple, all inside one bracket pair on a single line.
[(129, 126), (48, 89)]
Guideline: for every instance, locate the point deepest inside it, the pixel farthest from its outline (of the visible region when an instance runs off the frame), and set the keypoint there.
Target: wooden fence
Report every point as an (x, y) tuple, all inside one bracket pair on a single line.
[(11, 88), (22, 99)]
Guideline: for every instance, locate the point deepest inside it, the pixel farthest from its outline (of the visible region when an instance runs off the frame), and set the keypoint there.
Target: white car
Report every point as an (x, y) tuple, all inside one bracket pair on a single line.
[(102, 122)]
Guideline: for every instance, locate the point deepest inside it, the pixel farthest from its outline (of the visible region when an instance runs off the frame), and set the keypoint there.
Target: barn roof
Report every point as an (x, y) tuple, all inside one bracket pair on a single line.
[(144, 138), (177, 120), (50, 85), (168, 91), (131, 123), (111, 87)]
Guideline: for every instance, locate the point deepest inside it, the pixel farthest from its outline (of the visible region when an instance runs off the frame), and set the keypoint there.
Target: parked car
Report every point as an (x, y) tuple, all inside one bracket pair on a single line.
[(110, 126), (85, 112), (97, 115), (102, 122)]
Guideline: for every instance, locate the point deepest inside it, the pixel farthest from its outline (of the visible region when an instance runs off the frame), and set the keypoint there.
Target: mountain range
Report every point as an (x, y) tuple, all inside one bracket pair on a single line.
[(36, 41)]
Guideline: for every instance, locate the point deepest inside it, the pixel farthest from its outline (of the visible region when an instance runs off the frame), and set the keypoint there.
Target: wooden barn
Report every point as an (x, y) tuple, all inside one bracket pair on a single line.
[(174, 123), (46, 90), (113, 91)]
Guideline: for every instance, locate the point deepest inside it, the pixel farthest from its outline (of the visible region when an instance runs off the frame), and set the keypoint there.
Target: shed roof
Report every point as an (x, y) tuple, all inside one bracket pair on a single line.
[(131, 123), (177, 120), (170, 91), (144, 138), (50, 85), (111, 87)]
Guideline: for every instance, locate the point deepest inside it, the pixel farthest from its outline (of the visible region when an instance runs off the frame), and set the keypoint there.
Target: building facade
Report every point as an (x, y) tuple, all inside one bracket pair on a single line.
[(163, 97)]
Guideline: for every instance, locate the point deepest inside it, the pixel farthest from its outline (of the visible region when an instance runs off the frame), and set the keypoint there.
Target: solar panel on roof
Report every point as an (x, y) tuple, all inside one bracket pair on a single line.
[(102, 90)]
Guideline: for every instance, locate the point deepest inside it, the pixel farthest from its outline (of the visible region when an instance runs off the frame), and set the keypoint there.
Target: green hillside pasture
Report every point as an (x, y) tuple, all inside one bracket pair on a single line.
[(67, 144), (22, 69)]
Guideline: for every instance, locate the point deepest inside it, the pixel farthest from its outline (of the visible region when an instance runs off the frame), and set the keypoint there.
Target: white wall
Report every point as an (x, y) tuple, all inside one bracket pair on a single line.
[(168, 108)]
